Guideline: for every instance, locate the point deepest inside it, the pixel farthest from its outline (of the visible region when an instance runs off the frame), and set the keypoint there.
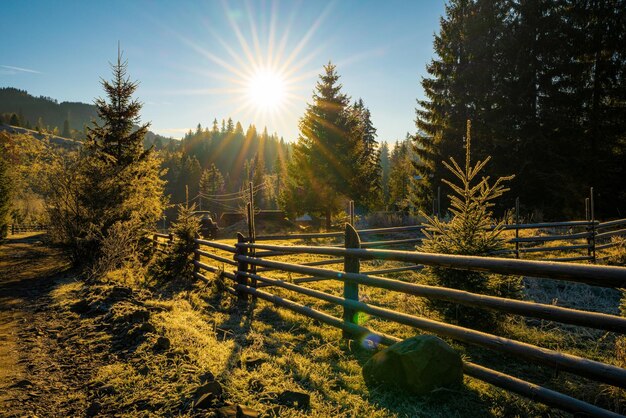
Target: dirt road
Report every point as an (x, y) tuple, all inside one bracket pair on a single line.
[(31, 379)]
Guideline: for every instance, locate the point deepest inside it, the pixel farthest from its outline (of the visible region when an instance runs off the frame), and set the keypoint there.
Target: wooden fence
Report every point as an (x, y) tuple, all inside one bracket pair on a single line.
[(580, 240), (161, 241), (251, 262), (21, 228)]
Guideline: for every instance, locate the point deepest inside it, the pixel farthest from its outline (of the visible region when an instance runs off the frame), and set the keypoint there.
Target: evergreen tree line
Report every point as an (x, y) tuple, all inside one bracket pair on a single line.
[(544, 84), (67, 119), (223, 159)]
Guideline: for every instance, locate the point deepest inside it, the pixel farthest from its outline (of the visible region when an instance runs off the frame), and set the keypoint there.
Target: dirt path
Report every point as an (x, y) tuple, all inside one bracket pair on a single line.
[(28, 374)]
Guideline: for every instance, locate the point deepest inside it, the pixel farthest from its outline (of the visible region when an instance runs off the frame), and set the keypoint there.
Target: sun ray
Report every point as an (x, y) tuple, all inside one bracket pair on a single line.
[(255, 35), (305, 39), (240, 38)]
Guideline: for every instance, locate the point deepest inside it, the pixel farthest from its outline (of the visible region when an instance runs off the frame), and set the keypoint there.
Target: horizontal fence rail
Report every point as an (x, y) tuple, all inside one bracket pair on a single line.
[(537, 310), (250, 268), (18, 229), (605, 276)]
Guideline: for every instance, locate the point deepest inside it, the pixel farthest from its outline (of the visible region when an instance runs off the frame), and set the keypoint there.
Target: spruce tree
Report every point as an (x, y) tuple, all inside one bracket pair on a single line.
[(366, 187), (66, 129), (211, 184), (118, 137), (14, 121), (385, 165), (117, 184), (323, 160)]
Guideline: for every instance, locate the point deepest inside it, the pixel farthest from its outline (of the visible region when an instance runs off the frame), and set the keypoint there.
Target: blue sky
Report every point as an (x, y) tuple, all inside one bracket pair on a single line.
[(193, 58)]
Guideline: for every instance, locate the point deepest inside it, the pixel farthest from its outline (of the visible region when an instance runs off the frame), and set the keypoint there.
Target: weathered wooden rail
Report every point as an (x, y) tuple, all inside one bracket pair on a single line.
[(161, 241), (250, 269), (21, 228), (591, 239)]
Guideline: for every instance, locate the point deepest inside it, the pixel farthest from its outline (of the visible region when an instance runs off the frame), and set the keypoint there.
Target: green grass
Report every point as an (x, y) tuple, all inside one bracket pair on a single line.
[(579, 341), (211, 331)]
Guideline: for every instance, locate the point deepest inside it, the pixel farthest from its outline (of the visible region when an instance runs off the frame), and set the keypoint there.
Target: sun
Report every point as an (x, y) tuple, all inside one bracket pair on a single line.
[(266, 90)]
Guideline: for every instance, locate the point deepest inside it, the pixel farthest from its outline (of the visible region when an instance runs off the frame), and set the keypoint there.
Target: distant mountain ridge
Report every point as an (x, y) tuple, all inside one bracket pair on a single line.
[(31, 109), (54, 139), (46, 113)]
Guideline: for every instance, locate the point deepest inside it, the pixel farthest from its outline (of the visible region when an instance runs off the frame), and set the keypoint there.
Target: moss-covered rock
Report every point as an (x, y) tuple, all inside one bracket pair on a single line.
[(418, 365)]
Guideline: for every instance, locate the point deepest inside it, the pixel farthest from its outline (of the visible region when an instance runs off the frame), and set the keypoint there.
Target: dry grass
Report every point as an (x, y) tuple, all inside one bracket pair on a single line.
[(257, 351), (579, 341)]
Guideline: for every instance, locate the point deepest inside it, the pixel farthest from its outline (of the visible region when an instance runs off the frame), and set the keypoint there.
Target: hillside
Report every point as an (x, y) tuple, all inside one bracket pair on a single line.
[(34, 111), (53, 114), (54, 139)]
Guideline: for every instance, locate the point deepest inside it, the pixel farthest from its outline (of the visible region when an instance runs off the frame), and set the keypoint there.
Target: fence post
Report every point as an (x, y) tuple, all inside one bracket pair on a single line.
[(351, 265), (588, 228), (517, 227), (242, 267), (351, 206), (438, 202), (170, 239), (593, 227), (251, 233), (196, 255), (155, 241)]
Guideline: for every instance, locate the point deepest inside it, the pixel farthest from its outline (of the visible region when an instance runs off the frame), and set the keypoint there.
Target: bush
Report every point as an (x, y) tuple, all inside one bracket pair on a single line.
[(5, 198), (468, 232), (89, 198), (178, 261)]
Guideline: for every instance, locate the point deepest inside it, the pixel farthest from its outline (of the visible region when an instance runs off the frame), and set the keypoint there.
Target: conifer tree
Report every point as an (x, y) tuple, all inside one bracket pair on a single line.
[(322, 164), (116, 184), (66, 129), (401, 173), (211, 184), (366, 182), (117, 137), (385, 166), (14, 121)]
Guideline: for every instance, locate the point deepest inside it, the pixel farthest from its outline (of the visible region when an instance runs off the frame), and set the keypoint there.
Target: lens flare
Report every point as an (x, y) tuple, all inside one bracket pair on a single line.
[(370, 341)]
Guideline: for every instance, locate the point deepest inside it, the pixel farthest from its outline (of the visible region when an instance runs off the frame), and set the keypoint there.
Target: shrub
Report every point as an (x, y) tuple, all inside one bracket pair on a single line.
[(5, 198), (178, 261), (470, 231)]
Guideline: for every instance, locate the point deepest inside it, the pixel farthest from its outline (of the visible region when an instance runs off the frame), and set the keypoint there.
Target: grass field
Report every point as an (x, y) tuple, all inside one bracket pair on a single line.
[(257, 351), (319, 357)]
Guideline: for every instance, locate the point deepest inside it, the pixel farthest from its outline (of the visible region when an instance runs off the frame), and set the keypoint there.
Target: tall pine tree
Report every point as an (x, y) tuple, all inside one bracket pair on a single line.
[(323, 161)]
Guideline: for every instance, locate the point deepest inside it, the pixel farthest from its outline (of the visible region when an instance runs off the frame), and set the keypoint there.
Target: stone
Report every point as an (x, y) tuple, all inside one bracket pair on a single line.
[(22, 384), (80, 307), (297, 400), (206, 377), (162, 344), (417, 365), (252, 363), (93, 410), (236, 411), (207, 395)]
